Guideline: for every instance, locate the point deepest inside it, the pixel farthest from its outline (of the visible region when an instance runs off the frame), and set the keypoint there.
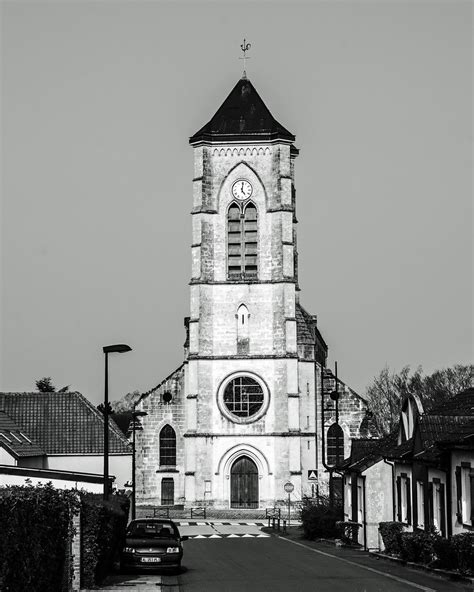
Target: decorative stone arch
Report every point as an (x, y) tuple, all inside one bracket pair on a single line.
[(229, 173), (225, 463)]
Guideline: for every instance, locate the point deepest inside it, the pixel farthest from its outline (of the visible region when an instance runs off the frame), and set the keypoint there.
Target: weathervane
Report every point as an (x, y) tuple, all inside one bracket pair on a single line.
[(245, 47)]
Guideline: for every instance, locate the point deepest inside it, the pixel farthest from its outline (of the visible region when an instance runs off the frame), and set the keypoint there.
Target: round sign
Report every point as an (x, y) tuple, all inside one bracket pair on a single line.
[(288, 487)]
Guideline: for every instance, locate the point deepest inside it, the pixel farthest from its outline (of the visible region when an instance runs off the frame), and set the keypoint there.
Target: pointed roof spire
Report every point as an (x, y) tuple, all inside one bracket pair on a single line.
[(242, 116)]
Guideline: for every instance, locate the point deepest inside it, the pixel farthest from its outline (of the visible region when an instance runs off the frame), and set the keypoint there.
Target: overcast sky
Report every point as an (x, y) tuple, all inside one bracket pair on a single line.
[(99, 100)]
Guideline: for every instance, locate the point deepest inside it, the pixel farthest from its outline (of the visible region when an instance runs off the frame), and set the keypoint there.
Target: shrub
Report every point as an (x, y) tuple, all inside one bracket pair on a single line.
[(391, 533), (348, 532), (417, 547), (103, 525), (35, 535), (446, 557), (463, 545), (319, 518)]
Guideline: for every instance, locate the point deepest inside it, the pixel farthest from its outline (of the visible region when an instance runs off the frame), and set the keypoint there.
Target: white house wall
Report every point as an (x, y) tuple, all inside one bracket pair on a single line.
[(120, 466)]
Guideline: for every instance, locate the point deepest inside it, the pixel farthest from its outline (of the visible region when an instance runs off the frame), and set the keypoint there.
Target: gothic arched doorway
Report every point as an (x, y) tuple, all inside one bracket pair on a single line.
[(244, 484)]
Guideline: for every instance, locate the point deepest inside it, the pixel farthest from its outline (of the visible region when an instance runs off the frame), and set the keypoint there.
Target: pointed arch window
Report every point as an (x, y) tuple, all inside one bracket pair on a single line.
[(242, 329), (242, 241), (167, 446), (335, 445)]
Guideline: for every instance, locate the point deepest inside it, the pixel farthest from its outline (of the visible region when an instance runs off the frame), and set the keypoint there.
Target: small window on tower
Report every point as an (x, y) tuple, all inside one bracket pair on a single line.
[(242, 330)]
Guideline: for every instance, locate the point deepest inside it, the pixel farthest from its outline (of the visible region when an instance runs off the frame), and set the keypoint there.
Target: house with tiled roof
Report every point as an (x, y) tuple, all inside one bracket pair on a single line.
[(59, 432), (368, 495), (425, 471)]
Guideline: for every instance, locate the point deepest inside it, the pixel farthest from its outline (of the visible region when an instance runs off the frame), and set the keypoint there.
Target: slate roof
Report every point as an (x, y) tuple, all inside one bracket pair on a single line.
[(436, 428), (242, 116), (367, 451), (460, 404), (399, 451), (15, 440), (304, 322), (62, 423)]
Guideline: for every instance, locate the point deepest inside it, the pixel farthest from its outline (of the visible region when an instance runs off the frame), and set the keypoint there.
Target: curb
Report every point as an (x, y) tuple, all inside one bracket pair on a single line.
[(445, 573)]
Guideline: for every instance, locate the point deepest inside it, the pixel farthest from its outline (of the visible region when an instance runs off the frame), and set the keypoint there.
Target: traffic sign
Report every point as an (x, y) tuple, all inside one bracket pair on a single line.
[(312, 475), (288, 487)]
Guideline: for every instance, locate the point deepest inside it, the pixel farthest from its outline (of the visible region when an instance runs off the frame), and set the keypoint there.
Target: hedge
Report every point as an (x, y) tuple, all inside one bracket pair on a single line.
[(103, 525), (319, 518), (35, 535), (429, 547)]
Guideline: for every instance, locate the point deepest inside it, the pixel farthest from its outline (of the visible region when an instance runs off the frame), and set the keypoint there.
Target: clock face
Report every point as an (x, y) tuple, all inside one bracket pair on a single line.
[(242, 189)]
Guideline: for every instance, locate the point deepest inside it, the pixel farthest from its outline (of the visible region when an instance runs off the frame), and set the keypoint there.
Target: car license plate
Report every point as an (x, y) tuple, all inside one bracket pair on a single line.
[(150, 559)]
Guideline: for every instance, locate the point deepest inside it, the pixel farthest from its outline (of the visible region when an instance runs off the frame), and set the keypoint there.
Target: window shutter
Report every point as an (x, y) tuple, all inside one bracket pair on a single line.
[(442, 507), (430, 504), (458, 495), (408, 500), (472, 498), (399, 499)]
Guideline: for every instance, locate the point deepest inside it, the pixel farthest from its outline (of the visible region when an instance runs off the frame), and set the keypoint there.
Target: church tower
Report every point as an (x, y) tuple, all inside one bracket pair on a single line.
[(239, 418)]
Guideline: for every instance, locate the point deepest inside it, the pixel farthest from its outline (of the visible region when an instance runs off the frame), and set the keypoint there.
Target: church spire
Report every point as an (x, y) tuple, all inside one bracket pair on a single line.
[(243, 116)]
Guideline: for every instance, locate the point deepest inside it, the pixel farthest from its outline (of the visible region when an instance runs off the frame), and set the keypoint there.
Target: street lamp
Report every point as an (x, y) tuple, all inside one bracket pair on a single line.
[(109, 349), (135, 425)]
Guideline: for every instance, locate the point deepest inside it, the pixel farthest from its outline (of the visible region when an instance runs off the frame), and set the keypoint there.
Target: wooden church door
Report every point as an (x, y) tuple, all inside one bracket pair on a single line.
[(244, 484)]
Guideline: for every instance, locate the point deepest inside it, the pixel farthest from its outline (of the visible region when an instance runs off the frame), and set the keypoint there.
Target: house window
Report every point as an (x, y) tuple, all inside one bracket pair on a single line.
[(438, 505), (420, 504), (167, 446), (465, 493), (360, 503), (335, 444), (349, 491), (403, 499), (242, 241), (167, 491)]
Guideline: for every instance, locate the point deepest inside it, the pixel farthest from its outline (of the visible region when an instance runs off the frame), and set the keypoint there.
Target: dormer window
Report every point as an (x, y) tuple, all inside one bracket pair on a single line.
[(242, 241)]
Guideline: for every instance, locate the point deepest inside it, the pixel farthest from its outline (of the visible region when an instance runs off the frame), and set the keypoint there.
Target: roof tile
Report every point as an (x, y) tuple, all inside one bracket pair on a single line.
[(62, 423)]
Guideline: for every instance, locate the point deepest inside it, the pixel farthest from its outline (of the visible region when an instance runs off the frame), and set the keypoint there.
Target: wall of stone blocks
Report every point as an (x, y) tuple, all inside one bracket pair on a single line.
[(149, 473)]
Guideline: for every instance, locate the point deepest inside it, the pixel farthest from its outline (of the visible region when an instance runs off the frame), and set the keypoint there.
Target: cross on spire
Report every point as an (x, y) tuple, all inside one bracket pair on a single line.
[(245, 47)]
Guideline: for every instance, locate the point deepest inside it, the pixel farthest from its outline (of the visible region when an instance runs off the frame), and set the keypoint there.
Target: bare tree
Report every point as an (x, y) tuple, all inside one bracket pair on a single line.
[(388, 388)]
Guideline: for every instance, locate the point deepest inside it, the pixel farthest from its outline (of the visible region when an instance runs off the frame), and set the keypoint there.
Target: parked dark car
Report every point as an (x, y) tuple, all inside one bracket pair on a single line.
[(152, 543)]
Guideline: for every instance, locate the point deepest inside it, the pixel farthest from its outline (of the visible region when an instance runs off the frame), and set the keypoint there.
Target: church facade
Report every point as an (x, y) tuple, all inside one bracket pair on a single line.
[(245, 413)]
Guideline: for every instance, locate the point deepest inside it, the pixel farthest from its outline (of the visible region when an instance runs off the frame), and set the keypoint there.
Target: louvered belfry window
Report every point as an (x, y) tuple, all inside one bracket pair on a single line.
[(335, 445), (242, 241), (167, 446)]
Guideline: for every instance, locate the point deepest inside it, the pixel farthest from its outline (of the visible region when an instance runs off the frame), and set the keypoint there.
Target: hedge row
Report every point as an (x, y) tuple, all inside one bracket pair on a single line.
[(103, 525), (34, 541), (429, 548), (36, 532), (319, 518)]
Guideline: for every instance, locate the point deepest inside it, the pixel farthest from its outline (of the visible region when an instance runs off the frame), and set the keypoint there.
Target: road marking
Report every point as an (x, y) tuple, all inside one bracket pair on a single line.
[(381, 573)]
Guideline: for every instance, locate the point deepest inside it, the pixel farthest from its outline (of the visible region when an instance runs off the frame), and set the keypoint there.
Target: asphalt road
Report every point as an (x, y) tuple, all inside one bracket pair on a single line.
[(277, 565)]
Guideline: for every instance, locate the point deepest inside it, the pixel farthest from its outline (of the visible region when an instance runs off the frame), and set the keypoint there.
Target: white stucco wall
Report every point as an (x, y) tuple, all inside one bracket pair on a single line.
[(57, 483), (379, 502), (6, 458), (120, 465)]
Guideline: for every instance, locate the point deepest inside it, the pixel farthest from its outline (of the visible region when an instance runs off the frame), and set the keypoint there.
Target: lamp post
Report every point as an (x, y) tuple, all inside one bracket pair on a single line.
[(135, 416), (120, 348)]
